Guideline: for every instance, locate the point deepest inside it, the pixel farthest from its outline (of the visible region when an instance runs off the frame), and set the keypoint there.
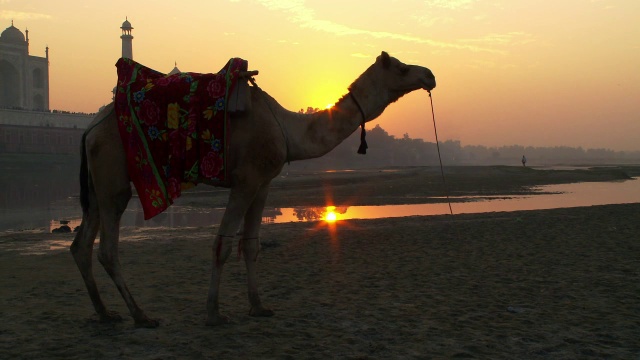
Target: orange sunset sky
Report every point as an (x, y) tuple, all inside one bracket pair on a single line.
[(532, 73)]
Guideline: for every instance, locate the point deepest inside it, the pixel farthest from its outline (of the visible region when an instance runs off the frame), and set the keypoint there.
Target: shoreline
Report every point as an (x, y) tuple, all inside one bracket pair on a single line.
[(410, 185), (303, 189)]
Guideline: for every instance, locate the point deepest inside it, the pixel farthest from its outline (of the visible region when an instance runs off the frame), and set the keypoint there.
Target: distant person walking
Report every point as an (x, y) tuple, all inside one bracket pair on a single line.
[(524, 161)]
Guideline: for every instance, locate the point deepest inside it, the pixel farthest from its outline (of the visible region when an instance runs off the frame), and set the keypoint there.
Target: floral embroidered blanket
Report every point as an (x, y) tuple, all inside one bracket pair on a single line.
[(173, 128)]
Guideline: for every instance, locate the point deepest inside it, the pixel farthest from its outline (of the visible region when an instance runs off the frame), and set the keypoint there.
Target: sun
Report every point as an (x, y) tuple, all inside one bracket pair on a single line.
[(330, 214)]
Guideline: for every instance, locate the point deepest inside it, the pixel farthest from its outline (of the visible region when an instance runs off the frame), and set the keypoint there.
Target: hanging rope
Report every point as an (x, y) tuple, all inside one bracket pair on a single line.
[(444, 182), (363, 134)]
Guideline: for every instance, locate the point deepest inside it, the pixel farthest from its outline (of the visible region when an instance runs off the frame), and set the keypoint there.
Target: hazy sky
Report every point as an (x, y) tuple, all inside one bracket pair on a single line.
[(539, 73)]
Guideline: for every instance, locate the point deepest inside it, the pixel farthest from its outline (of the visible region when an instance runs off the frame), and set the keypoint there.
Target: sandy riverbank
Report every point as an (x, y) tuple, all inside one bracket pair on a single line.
[(553, 284)]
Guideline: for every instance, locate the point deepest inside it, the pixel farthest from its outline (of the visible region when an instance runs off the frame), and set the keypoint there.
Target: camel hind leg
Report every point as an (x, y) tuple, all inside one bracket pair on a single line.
[(82, 251), (113, 192), (105, 168), (108, 252), (82, 246), (250, 247), (240, 199)]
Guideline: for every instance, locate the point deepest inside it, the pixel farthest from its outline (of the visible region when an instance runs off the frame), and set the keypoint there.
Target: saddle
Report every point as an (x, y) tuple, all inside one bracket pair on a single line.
[(174, 128)]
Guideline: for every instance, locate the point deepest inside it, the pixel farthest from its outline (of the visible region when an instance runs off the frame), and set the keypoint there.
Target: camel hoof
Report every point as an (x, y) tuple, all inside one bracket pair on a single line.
[(260, 312), (218, 320), (147, 323), (110, 317)]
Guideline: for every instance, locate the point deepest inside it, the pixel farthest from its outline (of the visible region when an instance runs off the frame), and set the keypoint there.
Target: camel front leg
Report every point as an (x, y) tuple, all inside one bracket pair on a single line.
[(250, 246), (239, 200)]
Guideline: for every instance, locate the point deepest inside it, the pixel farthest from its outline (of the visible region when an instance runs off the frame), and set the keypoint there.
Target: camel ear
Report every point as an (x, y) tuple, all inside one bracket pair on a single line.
[(386, 60)]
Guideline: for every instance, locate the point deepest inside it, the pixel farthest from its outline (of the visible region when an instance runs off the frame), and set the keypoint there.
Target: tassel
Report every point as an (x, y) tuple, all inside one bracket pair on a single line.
[(363, 143)]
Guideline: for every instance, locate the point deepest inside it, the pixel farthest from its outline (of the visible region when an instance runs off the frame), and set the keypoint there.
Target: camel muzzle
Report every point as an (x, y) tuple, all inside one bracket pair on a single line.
[(428, 80), (429, 83)]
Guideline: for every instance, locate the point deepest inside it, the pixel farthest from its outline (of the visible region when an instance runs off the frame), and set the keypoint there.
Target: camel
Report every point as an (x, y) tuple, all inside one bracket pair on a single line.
[(262, 139)]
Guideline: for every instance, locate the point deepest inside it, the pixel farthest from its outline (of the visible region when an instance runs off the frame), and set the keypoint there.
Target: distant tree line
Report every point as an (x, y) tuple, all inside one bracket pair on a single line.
[(386, 150), (46, 111)]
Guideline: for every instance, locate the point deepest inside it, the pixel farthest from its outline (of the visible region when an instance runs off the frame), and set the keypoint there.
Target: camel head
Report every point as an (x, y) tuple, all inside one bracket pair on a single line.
[(387, 80)]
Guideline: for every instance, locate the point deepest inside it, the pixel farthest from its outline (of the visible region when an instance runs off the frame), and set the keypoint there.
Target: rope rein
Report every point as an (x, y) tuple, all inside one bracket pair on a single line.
[(363, 142), (444, 182)]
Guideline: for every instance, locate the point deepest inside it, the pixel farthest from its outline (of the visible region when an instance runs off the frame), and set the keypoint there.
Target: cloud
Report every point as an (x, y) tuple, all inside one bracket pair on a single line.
[(305, 17), (21, 15), (450, 4), (511, 38), (430, 21)]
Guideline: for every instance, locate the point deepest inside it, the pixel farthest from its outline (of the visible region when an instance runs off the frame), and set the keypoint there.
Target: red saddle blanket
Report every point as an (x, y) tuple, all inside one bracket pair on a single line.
[(173, 128)]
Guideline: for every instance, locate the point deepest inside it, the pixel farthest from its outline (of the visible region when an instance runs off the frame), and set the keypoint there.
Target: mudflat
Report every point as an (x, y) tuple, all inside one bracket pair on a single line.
[(550, 284)]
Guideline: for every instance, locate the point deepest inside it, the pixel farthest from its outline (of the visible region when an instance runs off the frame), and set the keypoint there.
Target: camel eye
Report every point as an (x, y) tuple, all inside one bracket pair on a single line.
[(404, 69)]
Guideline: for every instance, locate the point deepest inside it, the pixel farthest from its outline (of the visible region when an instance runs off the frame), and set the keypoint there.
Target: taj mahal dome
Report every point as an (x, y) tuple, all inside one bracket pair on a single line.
[(24, 78), (27, 124)]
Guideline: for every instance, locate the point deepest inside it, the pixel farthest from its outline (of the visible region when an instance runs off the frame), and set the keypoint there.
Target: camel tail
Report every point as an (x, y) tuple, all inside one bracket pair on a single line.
[(84, 176), (84, 167)]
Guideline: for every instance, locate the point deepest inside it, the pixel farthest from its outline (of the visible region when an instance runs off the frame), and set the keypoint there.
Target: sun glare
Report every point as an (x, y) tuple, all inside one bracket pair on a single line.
[(330, 215), (329, 106)]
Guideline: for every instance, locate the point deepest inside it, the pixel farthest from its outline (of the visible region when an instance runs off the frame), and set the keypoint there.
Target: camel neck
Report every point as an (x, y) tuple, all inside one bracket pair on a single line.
[(313, 135)]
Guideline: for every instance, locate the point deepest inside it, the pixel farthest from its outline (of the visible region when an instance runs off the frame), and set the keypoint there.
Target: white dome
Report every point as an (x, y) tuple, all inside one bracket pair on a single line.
[(12, 35)]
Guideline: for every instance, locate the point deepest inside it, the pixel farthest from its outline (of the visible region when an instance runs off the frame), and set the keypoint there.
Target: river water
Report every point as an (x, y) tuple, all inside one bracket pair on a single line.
[(47, 207)]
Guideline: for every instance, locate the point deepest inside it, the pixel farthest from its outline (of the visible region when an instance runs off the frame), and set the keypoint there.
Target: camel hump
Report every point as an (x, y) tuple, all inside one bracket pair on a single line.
[(238, 99)]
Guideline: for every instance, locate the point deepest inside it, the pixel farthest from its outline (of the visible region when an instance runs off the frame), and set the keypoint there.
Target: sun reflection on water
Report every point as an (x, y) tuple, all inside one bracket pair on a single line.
[(552, 196)]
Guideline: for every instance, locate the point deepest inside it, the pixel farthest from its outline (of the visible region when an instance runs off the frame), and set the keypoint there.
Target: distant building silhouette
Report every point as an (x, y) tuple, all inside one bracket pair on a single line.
[(24, 79), (127, 39), (127, 48), (175, 70), (127, 44), (27, 125)]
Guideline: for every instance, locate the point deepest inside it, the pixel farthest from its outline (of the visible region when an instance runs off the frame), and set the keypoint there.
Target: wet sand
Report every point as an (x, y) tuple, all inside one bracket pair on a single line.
[(551, 284)]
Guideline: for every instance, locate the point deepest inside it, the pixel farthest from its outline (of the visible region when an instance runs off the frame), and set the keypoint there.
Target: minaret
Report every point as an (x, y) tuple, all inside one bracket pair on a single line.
[(127, 39)]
